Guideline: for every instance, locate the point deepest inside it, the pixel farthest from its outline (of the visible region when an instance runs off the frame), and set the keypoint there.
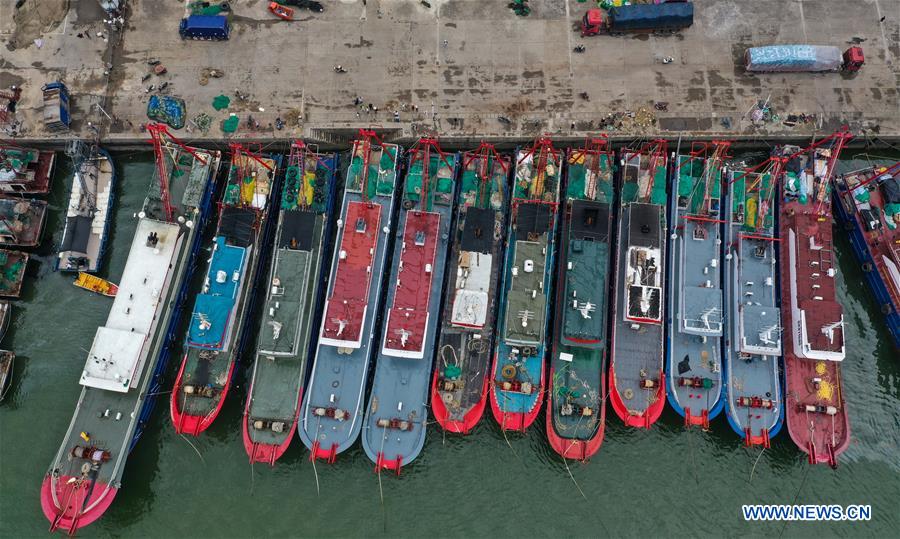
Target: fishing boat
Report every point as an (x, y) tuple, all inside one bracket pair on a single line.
[(25, 171), (292, 302), (21, 221), (753, 335), (332, 412), (127, 360), (12, 272), (517, 371), (7, 359), (397, 413), (460, 382), (636, 374), (216, 331), (95, 284), (815, 410), (89, 211), (695, 321), (868, 203), (576, 407)]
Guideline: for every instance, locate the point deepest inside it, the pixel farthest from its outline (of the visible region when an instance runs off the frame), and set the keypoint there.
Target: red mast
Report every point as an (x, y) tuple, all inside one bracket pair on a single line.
[(157, 132), (422, 150)]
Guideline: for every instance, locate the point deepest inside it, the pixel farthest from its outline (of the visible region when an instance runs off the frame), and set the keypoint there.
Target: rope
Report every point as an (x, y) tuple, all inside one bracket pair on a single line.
[(755, 463), (315, 472), (194, 447), (797, 495), (380, 489)]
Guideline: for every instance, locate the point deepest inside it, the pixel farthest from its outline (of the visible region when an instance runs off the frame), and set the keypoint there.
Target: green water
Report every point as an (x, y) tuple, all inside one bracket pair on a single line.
[(665, 481)]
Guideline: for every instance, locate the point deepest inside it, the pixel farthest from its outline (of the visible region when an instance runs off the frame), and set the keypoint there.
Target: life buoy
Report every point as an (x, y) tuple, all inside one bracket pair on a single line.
[(867, 267), (508, 372)]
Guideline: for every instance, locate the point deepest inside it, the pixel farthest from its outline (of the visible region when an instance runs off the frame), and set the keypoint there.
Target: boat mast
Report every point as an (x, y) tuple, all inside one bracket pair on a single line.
[(422, 150), (157, 132)]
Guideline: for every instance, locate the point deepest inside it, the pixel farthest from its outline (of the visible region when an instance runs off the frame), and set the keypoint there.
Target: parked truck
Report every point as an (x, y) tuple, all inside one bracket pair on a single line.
[(658, 18), (56, 107), (205, 27), (802, 58)]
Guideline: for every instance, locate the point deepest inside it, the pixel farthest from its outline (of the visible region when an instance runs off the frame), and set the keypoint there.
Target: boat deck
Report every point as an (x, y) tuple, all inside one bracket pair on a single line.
[(87, 216), (21, 221), (696, 315), (348, 304), (407, 316), (814, 343), (119, 350), (590, 176), (212, 319), (292, 299), (526, 300), (754, 344), (518, 372), (576, 412), (637, 354), (643, 271), (25, 170), (873, 211), (473, 273), (332, 409), (586, 283), (12, 272)]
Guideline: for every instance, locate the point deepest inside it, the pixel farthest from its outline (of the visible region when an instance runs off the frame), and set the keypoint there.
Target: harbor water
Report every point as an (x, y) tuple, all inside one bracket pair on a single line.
[(668, 480)]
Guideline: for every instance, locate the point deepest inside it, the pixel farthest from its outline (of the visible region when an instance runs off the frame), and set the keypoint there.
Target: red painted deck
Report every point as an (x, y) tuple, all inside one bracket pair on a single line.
[(408, 313), (814, 260), (345, 309)]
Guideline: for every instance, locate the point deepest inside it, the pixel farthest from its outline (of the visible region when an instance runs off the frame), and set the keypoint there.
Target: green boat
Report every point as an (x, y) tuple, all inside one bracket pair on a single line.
[(576, 412), (292, 303)]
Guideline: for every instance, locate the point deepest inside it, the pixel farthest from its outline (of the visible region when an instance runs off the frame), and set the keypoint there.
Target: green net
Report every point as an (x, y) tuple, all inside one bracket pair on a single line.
[(221, 102), (452, 372), (231, 124)]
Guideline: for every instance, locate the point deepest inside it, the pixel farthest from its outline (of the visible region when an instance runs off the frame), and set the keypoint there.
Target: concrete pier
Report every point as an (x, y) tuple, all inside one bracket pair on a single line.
[(465, 69)]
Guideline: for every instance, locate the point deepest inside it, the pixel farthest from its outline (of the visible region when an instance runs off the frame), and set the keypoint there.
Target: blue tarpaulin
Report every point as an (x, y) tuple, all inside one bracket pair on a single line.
[(212, 309), (652, 16), (793, 58), (166, 109)]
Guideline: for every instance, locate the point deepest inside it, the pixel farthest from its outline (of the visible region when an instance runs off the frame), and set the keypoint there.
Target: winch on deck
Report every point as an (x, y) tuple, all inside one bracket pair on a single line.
[(515, 386), (200, 391), (818, 409), (92, 453), (333, 413), (755, 402), (696, 381), (268, 424), (573, 409), (395, 423)]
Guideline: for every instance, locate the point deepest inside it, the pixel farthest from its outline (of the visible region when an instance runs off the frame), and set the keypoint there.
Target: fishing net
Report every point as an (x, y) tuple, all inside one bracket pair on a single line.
[(231, 124), (167, 109), (221, 102)]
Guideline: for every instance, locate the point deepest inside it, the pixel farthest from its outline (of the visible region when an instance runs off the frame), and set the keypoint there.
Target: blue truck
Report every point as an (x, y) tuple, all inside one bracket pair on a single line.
[(205, 27), (56, 107), (665, 17)]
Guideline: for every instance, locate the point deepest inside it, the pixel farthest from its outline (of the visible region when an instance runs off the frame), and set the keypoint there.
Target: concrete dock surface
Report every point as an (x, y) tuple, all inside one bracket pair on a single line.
[(465, 69)]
